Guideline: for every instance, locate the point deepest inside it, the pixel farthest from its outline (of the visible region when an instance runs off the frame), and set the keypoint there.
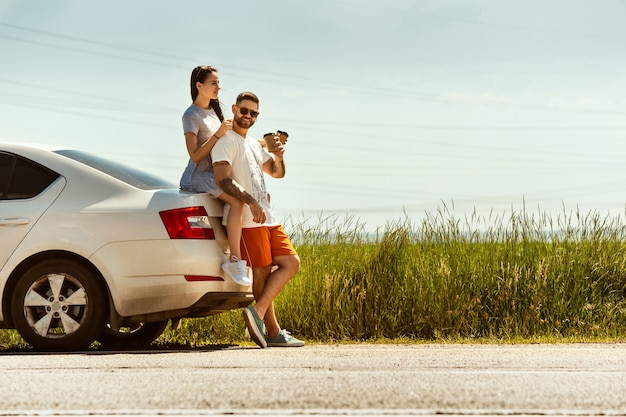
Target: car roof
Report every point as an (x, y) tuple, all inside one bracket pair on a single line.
[(19, 147), (41, 153), (70, 161)]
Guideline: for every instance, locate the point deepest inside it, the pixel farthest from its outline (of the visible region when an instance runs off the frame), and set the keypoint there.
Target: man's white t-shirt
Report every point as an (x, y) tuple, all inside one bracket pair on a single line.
[(246, 157)]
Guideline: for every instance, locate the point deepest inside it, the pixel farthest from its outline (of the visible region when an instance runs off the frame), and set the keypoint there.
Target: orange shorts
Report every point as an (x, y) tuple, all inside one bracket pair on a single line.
[(260, 245)]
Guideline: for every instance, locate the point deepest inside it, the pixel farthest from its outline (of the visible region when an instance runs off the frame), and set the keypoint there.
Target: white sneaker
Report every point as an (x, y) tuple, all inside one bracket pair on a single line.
[(237, 271)]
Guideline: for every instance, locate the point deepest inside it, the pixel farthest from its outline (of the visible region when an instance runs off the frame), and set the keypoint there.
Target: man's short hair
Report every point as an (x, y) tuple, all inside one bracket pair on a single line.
[(247, 95)]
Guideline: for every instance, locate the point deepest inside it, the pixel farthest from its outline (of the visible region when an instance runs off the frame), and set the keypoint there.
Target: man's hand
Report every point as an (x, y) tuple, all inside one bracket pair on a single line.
[(275, 166), (279, 150), (258, 215)]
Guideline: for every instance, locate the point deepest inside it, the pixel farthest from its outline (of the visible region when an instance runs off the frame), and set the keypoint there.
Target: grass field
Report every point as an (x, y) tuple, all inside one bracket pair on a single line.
[(518, 276), (514, 277)]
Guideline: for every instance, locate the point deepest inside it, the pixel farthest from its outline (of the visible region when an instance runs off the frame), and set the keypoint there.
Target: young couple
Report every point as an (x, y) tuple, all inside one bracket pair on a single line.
[(229, 165)]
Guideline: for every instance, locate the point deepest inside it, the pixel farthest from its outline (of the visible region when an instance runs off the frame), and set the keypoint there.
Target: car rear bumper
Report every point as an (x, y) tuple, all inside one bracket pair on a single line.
[(209, 304), (148, 277)]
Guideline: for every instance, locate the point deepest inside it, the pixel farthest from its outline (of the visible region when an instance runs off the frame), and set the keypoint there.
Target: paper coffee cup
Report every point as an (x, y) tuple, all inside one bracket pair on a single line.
[(282, 136), (270, 141)]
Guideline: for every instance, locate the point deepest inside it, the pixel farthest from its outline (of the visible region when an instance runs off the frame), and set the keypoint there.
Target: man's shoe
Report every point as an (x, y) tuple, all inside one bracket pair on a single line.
[(237, 271), (256, 326), (283, 339)]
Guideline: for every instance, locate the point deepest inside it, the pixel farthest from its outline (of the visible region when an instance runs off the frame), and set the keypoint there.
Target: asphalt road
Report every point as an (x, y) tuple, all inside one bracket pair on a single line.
[(367, 379)]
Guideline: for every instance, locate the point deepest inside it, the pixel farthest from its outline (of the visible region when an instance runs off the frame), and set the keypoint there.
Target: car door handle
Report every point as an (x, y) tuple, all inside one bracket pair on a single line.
[(10, 222)]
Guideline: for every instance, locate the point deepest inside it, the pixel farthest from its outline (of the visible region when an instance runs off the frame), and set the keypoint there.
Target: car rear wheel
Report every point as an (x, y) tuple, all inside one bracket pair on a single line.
[(59, 305), (135, 336)]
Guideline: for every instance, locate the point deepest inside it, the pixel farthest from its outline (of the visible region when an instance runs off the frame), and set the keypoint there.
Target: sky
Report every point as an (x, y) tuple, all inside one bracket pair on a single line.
[(395, 110)]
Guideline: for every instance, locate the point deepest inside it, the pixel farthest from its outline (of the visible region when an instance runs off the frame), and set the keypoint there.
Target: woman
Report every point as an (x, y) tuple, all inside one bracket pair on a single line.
[(204, 125)]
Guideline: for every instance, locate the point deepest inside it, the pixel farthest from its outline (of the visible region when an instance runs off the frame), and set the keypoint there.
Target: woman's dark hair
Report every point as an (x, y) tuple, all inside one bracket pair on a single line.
[(198, 75)]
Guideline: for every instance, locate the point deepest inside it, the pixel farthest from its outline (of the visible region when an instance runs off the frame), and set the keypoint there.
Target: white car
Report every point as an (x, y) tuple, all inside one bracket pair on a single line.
[(94, 250)]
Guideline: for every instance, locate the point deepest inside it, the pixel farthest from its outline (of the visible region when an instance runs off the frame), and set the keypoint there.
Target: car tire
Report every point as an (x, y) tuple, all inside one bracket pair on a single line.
[(135, 336), (59, 305)]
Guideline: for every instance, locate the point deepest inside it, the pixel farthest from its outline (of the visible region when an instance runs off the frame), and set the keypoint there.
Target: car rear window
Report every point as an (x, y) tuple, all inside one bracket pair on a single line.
[(131, 176), (21, 178)]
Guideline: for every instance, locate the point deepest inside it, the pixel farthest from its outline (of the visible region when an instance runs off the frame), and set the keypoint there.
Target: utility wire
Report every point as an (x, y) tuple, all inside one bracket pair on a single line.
[(285, 78)]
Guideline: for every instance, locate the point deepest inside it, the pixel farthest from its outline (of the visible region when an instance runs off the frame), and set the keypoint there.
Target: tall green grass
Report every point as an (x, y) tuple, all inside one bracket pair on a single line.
[(519, 275), (509, 276)]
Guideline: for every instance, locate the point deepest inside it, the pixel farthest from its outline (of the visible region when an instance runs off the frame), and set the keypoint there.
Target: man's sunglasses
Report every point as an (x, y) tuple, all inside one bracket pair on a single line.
[(245, 111)]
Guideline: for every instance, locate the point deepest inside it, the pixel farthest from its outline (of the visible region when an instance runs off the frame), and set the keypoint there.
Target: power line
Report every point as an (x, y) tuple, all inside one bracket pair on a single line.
[(153, 107), (311, 124), (285, 78), (88, 52), (90, 41), (98, 116)]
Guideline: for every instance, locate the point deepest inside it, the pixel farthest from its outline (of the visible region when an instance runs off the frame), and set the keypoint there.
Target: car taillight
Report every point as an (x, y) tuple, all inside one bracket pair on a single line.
[(187, 223), (192, 278)]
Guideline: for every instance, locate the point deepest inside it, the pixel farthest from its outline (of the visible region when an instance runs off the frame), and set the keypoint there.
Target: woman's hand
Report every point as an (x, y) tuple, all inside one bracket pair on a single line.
[(227, 125)]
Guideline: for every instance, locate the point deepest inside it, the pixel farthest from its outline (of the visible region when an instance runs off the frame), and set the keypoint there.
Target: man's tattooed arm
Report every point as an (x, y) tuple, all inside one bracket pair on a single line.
[(222, 173), (229, 186), (275, 168), (278, 168)]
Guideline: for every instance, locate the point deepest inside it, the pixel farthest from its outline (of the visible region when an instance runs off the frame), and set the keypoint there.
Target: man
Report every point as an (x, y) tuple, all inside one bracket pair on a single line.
[(238, 164)]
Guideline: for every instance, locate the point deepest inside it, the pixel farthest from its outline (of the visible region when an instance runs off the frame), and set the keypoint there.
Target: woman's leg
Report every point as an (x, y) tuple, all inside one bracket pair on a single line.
[(233, 223)]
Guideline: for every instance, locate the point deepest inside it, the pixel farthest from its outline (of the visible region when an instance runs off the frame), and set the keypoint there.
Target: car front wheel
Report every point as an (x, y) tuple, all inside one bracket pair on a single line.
[(59, 305)]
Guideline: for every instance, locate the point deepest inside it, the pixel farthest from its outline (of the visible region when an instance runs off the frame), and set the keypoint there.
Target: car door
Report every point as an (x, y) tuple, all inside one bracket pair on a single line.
[(27, 189)]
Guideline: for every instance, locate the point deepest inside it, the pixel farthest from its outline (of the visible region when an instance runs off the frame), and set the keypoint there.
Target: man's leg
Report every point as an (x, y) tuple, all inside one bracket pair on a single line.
[(266, 286)]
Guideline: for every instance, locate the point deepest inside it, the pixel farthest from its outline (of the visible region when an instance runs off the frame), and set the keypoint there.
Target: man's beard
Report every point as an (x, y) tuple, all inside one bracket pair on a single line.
[(244, 124)]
